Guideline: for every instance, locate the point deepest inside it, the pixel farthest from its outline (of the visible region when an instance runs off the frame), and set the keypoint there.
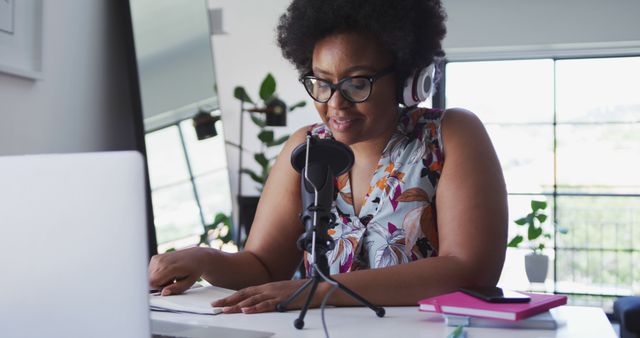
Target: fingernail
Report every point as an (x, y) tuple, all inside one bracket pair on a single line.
[(166, 292), (244, 310), (227, 308)]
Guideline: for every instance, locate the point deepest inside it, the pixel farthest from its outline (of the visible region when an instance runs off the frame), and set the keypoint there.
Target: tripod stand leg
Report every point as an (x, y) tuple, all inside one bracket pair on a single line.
[(378, 310), (299, 322), (282, 307)]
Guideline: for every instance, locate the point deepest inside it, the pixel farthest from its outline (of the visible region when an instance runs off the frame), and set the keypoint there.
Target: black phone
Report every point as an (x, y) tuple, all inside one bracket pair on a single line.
[(494, 294)]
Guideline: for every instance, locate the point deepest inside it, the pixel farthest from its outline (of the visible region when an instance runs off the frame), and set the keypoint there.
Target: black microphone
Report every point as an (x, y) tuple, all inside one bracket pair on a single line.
[(319, 163)]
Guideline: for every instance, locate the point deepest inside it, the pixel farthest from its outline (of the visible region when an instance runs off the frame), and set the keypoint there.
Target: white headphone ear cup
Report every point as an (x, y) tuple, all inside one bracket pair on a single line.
[(419, 86)]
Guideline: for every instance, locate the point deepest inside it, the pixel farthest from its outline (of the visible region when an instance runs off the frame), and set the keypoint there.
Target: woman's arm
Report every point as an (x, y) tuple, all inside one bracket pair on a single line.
[(472, 223), (270, 253)]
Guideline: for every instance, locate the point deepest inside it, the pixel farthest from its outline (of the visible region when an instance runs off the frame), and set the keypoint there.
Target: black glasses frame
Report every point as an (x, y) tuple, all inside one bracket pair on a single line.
[(338, 85)]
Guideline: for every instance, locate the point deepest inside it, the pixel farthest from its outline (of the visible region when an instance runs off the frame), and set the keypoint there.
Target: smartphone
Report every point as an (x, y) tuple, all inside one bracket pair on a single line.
[(494, 294)]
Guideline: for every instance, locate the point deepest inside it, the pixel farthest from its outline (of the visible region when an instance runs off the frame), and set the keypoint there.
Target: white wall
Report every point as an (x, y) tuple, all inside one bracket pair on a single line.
[(82, 102), (243, 57), (495, 28)]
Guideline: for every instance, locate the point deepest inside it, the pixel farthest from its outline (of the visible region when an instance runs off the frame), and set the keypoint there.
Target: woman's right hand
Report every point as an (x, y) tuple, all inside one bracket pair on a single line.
[(175, 272)]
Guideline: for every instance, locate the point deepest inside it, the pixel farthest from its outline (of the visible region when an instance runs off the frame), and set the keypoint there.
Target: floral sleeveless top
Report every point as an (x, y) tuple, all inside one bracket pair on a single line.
[(397, 221)]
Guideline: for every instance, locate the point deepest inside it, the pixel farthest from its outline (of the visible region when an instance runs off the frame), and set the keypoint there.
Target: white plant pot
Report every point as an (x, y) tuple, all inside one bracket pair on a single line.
[(536, 266)]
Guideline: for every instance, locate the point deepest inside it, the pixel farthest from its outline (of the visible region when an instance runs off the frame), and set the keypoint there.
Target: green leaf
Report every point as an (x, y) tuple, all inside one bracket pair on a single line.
[(521, 221), (260, 122), (530, 219), (541, 218), (534, 233), (298, 105), (547, 236), (279, 141), (515, 241), (261, 159), (267, 88), (241, 94), (541, 246), (266, 136), (257, 178), (220, 221), (220, 218), (538, 205)]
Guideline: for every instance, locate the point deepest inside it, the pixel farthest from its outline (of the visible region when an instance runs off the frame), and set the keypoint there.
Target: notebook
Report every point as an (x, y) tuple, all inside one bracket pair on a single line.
[(196, 300), (541, 321), (459, 303)]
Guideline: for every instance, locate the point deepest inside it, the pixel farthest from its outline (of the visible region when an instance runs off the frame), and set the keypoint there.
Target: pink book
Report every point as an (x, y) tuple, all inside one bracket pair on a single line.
[(458, 303)]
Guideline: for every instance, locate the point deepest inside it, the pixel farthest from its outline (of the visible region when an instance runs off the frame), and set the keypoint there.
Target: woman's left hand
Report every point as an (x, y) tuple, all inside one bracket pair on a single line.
[(264, 298)]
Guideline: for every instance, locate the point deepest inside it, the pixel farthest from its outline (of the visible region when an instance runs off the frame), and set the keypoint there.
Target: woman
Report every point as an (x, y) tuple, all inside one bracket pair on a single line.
[(398, 240)]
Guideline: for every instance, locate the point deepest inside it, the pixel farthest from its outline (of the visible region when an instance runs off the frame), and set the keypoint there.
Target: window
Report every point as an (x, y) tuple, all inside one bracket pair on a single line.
[(568, 131), (189, 182)]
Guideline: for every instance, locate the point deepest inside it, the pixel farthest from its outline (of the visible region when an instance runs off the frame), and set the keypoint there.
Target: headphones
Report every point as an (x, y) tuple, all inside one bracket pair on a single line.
[(419, 86)]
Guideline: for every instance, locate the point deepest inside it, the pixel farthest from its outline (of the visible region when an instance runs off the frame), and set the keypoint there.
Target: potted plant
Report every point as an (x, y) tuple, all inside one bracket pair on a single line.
[(218, 234), (274, 111), (536, 262)]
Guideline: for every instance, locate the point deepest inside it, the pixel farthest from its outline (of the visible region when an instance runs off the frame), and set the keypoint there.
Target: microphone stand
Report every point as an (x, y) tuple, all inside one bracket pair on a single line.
[(318, 248)]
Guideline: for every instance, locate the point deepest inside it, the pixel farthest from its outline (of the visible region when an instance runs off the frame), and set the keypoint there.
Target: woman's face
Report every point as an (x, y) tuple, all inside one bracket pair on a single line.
[(356, 54)]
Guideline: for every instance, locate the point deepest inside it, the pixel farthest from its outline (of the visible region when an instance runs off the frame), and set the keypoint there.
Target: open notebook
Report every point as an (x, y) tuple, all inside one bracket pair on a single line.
[(196, 300)]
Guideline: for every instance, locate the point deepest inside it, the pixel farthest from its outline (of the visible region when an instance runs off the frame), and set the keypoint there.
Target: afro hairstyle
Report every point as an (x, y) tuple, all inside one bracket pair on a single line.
[(412, 30)]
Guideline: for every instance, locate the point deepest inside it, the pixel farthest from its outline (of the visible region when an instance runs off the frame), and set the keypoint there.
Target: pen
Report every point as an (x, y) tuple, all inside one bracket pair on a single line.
[(459, 332), (158, 291)]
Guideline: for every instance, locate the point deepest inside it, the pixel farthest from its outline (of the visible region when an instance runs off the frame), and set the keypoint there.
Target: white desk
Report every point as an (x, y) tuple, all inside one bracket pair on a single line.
[(398, 322)]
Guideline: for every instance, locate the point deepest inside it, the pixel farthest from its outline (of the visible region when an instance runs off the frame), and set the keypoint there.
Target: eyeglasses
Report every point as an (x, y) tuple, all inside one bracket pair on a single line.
[(355, 89)]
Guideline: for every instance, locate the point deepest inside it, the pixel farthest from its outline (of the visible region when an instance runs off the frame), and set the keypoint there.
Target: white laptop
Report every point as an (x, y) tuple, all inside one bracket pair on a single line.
[(73, 250), (73, 246)]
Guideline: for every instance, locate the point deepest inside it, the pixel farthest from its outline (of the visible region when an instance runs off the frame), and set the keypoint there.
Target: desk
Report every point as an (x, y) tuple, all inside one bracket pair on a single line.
[(398, 322)]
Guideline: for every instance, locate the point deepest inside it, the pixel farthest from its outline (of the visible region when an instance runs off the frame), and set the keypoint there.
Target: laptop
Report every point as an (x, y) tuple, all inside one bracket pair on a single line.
[(73, 250), (73, 246)]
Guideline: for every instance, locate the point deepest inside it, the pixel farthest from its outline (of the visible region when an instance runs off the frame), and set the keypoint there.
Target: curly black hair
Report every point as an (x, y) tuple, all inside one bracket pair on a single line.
[(412, 30)]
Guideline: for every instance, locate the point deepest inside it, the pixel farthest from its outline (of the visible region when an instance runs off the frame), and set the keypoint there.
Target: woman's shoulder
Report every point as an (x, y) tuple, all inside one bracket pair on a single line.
[(460, 121), (462, 128), (433, 125), (438, 114)]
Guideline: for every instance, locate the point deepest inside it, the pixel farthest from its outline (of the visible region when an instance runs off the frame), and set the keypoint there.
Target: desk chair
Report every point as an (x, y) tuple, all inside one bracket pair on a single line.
[(627, 309)]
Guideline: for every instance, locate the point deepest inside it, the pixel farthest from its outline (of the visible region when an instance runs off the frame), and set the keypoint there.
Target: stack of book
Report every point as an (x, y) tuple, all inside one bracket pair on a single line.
[(462, 309)]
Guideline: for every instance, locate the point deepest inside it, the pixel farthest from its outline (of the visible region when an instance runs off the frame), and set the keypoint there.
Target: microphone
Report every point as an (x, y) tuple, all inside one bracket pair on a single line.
[(319, 161)]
